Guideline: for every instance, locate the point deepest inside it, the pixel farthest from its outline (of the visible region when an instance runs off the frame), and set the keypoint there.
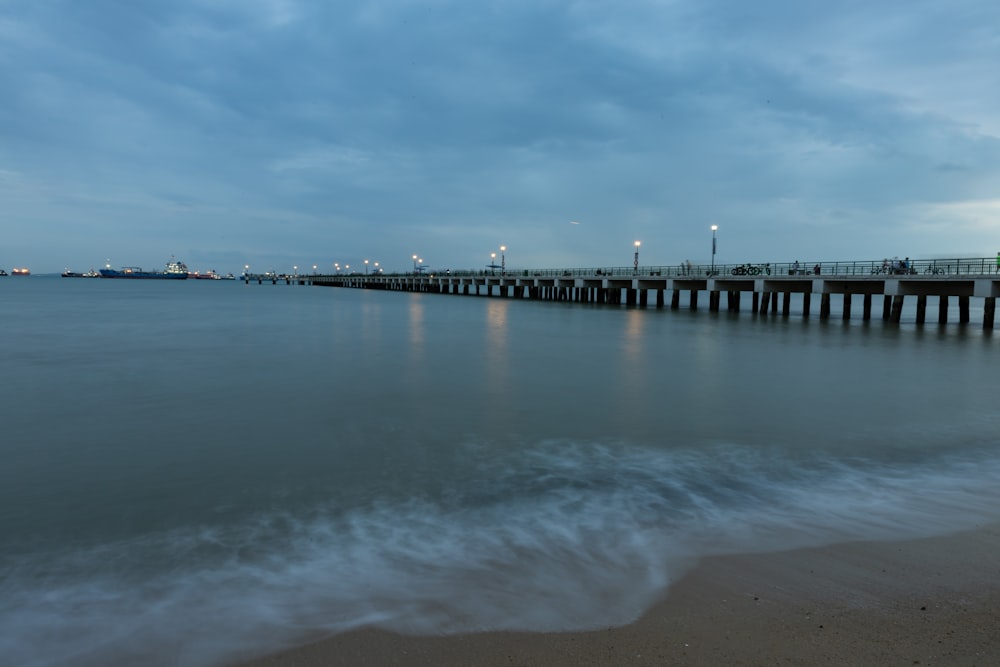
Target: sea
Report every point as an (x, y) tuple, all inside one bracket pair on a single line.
[(201, 472)]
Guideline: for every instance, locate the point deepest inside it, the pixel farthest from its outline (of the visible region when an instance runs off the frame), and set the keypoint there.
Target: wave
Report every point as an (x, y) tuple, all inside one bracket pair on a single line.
[(559, 536)]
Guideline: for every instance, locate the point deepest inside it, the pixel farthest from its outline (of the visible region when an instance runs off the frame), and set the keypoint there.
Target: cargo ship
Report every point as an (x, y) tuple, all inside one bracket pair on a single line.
[(208, 275), (76, 274), (174, 271), (20, 271)]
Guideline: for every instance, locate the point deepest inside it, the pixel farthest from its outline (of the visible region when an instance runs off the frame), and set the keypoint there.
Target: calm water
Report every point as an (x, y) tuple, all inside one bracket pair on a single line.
[(198, 472)]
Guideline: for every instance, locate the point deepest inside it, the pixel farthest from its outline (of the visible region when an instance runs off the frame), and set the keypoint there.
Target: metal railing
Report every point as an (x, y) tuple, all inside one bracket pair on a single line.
[(979, 266)]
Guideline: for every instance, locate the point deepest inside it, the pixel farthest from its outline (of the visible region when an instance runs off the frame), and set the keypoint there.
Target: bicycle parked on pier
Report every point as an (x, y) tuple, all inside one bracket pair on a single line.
[(751, 270)]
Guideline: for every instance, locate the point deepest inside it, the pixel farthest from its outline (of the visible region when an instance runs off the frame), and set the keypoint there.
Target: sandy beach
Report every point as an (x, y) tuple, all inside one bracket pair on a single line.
[(921, 602)]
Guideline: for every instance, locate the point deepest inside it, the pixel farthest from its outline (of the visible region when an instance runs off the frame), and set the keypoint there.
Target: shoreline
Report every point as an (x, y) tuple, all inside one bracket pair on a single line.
[(930, 601)]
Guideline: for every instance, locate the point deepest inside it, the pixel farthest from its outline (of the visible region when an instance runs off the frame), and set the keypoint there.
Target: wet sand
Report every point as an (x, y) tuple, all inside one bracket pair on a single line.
[(922, 602)]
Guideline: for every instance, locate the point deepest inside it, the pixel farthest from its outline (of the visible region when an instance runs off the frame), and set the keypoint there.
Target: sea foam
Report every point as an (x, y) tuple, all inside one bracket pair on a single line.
[(560, 536)]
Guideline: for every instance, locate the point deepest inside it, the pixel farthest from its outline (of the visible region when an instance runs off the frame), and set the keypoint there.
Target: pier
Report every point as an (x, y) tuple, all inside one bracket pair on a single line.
[(867, 289)]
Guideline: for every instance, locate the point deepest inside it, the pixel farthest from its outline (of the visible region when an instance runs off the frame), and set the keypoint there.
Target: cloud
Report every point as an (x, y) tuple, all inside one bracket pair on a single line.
[(371, 127)]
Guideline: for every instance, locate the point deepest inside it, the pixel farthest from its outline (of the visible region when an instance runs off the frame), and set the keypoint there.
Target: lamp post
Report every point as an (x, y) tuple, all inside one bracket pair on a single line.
[(503, 260), (296, 269), (414, 265), (635, 264), (376, 268), (366, 267), (493, 263), (714, 229), (314, 269)]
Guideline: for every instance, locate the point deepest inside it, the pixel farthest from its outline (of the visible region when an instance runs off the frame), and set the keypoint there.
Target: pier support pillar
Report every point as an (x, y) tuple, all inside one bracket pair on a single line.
[(659, 298), (643, 297), (733, 301), (675, 300), (886, 307), (866, 311), (755, 303), (713, 301), (694, 299), (824, 307), (765, 301), (786, 304), (847, 306), (897, 308), (942, 310), (806, 303), (921, 308), (989, 311), (774, 303), (963, 310)]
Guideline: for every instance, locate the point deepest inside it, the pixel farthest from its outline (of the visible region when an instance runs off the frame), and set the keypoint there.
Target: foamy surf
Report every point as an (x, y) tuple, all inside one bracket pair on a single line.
[(559, 536)]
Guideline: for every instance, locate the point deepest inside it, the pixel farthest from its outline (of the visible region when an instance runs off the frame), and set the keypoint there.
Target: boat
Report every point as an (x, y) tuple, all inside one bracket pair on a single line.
[(20, 271), (174, 271), (3, 273), (208, 275), (74, 274)]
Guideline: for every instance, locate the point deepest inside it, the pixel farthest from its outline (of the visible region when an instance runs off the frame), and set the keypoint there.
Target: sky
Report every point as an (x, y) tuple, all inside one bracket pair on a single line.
[(283, 133)]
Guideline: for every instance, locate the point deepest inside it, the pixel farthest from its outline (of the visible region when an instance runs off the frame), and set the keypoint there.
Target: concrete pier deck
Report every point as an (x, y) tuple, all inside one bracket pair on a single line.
[(769, 287)]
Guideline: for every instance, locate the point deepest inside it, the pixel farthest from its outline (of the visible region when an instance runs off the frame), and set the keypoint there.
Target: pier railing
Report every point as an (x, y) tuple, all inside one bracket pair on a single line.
[(929, 267)]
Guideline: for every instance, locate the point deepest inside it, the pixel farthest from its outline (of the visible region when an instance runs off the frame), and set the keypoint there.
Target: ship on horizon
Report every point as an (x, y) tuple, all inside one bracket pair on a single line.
[(174, 271), (76, 274)]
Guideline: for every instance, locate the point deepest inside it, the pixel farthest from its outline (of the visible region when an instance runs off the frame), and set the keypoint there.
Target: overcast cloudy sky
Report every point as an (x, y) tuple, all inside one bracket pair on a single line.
[(299, 132)]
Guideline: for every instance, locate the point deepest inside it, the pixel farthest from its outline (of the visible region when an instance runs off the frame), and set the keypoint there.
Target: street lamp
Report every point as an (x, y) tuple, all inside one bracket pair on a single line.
[(366, 267), (714, 229), (314, 269), (296, 269), (493, 263), (636, 262), (503, 260), (376, 268), (414, 265)]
